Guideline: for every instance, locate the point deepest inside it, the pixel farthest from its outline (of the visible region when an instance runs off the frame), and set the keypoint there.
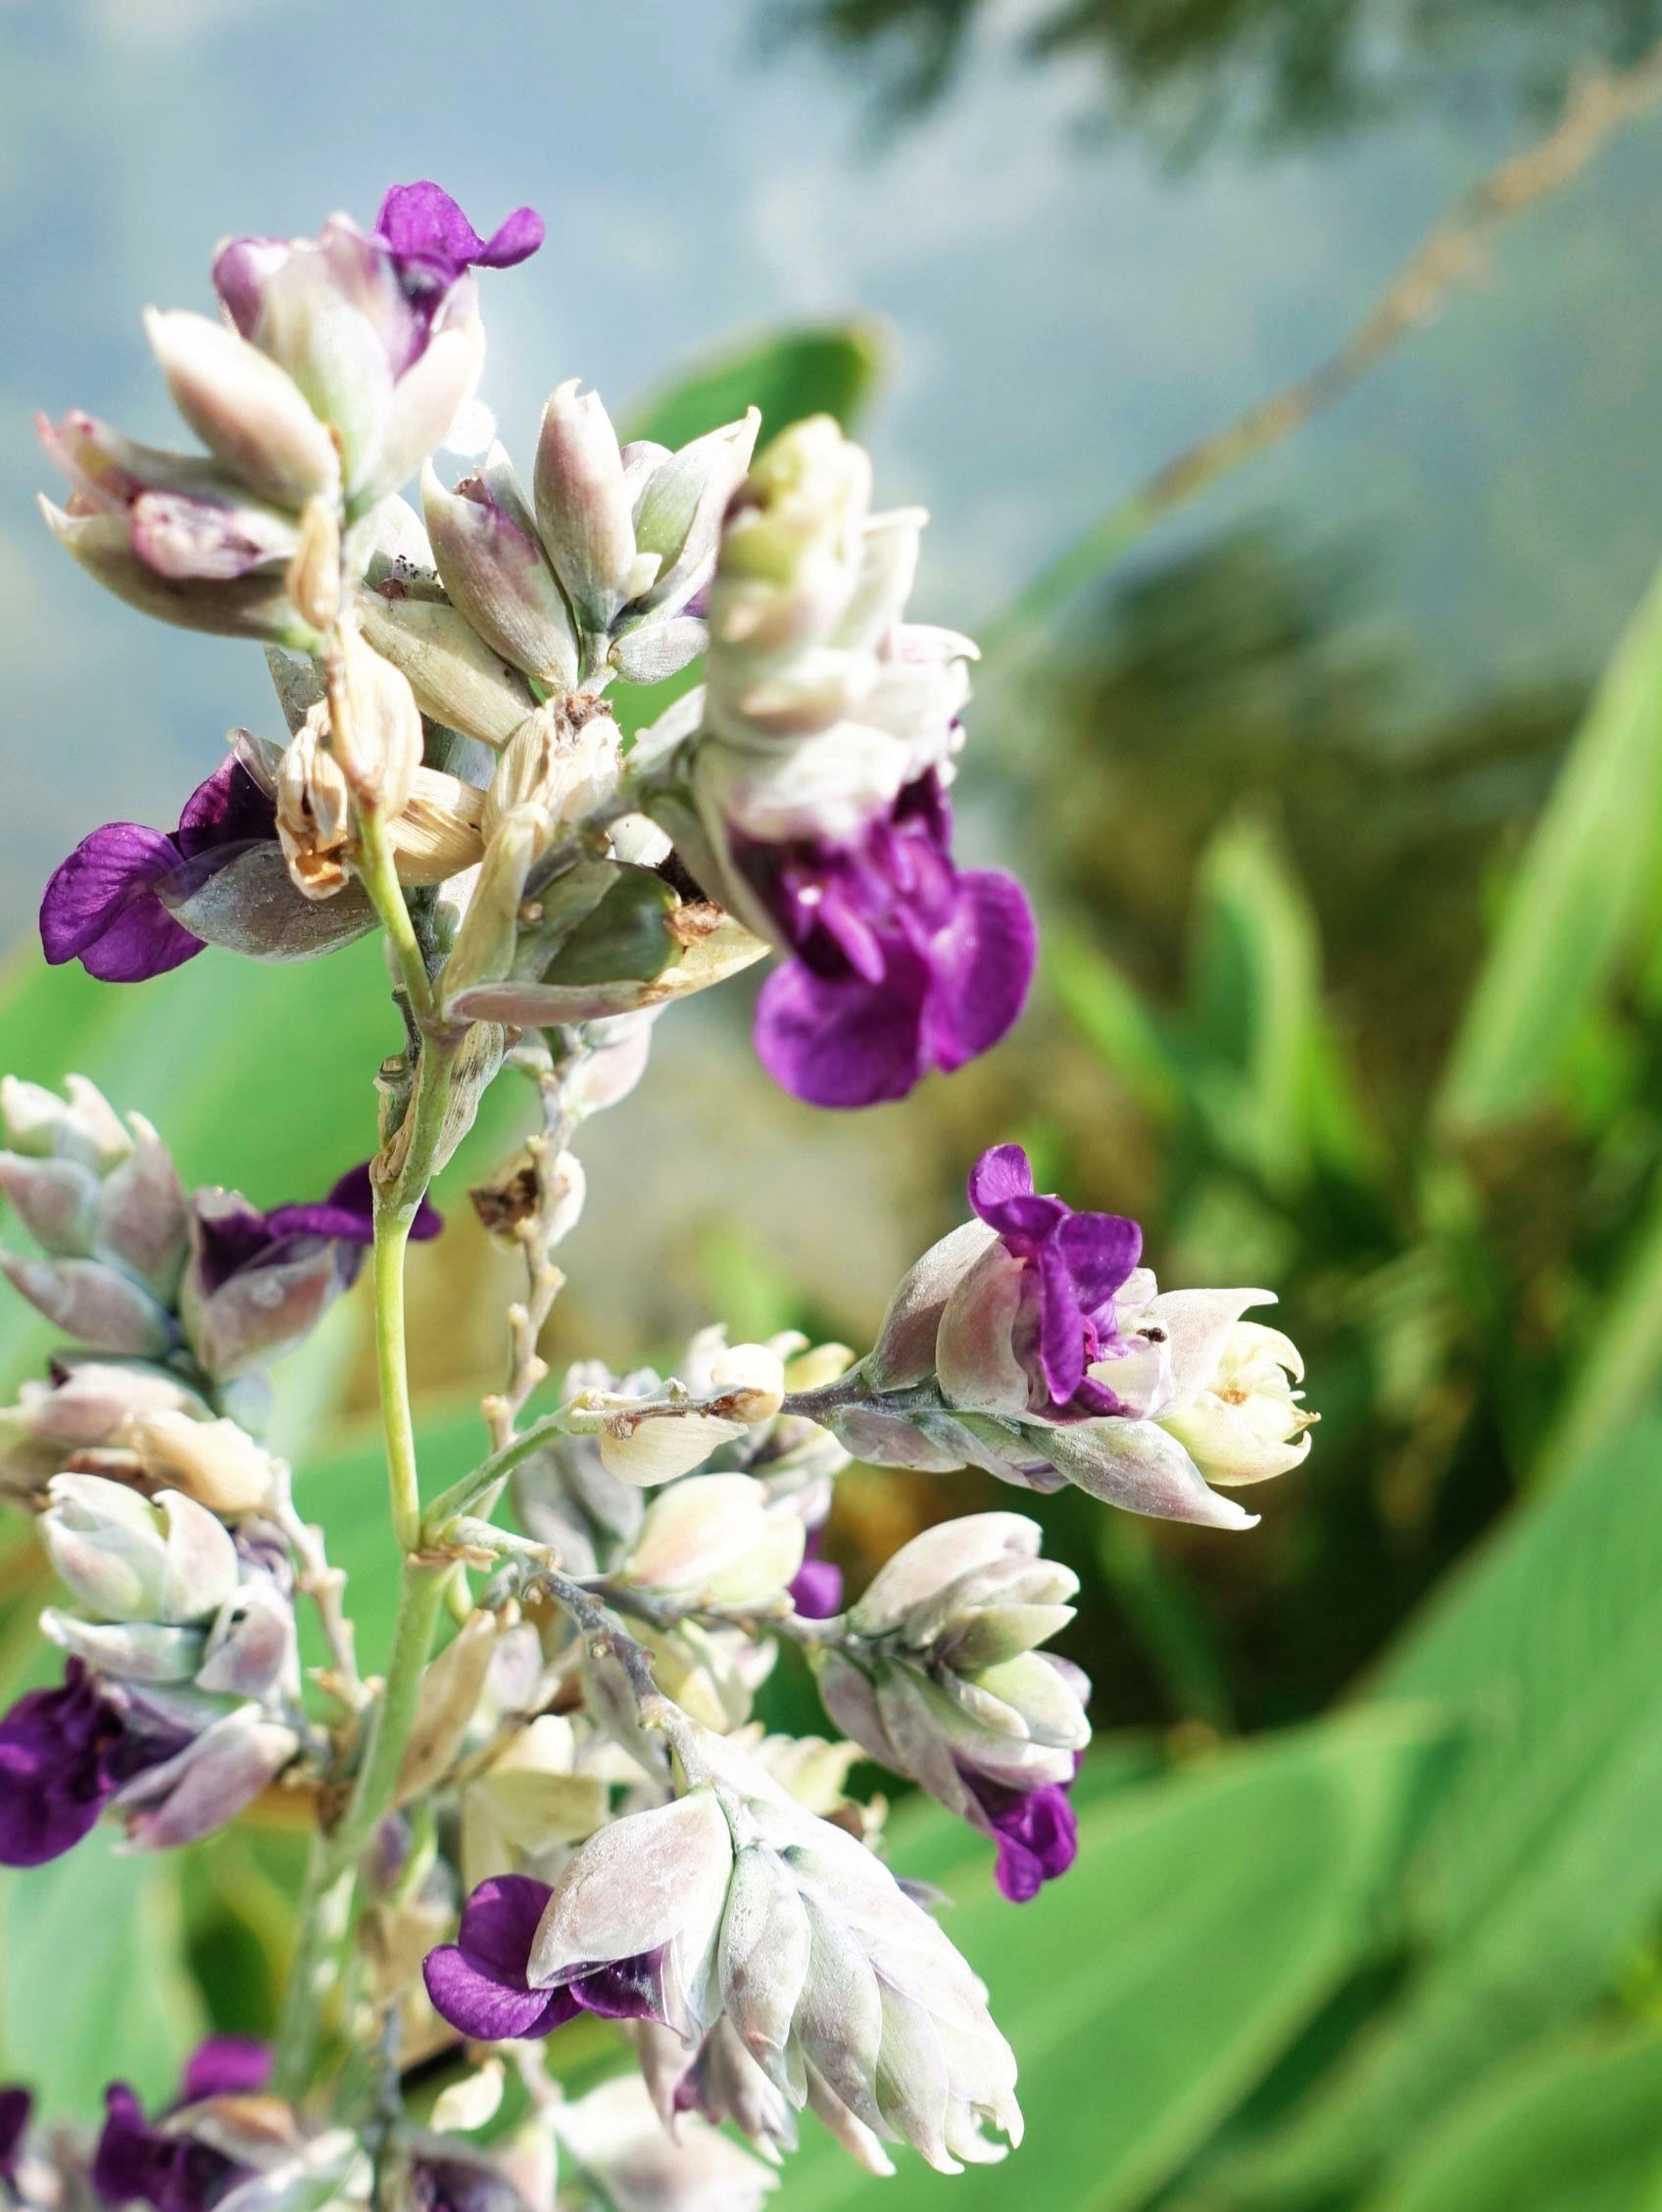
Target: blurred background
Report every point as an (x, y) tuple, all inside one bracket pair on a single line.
[(1335, 768)]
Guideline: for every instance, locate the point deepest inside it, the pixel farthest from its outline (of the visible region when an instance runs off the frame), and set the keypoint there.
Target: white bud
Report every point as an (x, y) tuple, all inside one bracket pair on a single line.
[(713, 1539), (1247, 1425)]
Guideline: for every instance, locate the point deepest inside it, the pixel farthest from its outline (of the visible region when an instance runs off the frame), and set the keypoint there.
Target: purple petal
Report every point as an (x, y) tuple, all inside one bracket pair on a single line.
[(1004, 1171), (101, 907), (984, 963), (486, 2009), (499, 1924), (422, 223), (628, 1989), (230, 808), (1099, 1250), (56, 1750), (817, 1591), (347, 1214), (1037, 1832), (15, 2107), (1061, 1326), (226, 2066), (843, 1042), (478, 1983), (513, 241)]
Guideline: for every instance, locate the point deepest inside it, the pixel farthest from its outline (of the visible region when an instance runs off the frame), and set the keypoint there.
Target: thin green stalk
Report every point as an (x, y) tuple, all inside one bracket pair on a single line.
[(392, 1238), (324, 1899), (379, 872), (461, 1497)]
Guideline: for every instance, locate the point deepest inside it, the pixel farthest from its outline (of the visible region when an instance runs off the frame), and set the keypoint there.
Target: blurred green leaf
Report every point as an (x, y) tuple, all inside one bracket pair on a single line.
[(1540, 1868), (1580, 899), (92, 1980), (787, 373), (1207, 1916), (1570, 2129), (1267, 1073), (1110, 1012), (1621, 1360)]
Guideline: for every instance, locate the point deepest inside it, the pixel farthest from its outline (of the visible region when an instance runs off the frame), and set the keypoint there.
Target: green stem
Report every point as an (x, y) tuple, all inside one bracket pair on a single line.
[(392, 1236), (461, 1497), (379, 872), (324, 1899)]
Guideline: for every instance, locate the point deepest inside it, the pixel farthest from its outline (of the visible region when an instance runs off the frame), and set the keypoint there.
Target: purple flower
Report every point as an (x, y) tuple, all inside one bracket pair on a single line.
[(902, 964), (56, 1768), (64, 1754), (226, 2066), (1072, 1266), (478, 1983), (816, 1592), (140, 2162), (433, 242), (103, 905), (16, 2105), (240, 1239), (1037, 1832)]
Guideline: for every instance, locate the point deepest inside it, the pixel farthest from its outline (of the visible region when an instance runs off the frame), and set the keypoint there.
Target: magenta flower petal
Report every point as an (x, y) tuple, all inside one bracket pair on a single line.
[(840, 1042), (100, 907), (983, 967), (1074, 1264), (226, 2066), (423, 225), (56, 1776)]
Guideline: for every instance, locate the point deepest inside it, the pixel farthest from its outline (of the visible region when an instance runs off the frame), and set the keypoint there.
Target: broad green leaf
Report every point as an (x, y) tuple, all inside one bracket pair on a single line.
[(1581, 898), (1619, 1369), (1207, 1916), (92, 1982), (1539, 1869), (787, 373), (1572, 2128)]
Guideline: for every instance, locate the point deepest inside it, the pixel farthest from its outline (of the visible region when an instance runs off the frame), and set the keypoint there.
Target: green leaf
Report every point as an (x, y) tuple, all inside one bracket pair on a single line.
[(1110, 1012), (1620, 1365), (787, 373), (1580, 901), (1539, 1869), (93, 1984), (1267, 1073), (1207, 1918), (1572, 2128)]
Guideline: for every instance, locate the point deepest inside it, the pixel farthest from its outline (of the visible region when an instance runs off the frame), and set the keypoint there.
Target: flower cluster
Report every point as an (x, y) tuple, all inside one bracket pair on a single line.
[(1032, 1344), (796, 800), (556, 1801)]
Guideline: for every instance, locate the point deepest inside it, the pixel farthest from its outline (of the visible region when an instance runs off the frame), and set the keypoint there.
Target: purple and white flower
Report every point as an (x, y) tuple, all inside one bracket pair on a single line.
[(805, 787), (1057, 1360), (942, 1680), (379, 331), (734, 1902), (258, 1282)]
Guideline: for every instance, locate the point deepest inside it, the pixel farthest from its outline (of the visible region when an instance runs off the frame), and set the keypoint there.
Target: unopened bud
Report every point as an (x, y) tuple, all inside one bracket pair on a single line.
[(251, 1649), (204, 1787), (94, 1305), (129, 1559), (585, 509), (715, 1538), (80, 1126), (244, 408), (215, 1463)]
